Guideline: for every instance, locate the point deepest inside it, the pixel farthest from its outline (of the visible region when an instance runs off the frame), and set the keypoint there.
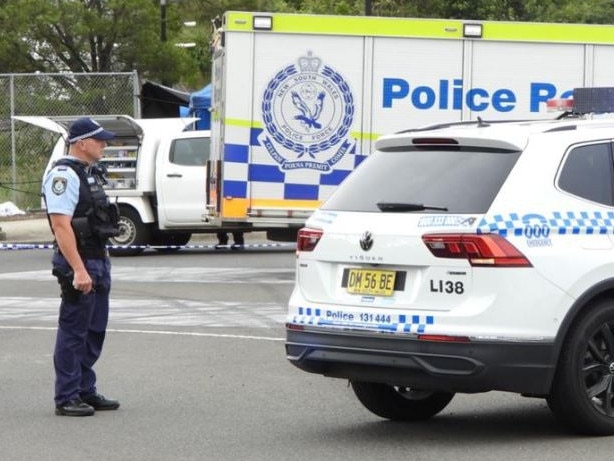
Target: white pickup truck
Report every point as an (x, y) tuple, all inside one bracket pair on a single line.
[(157, 170)]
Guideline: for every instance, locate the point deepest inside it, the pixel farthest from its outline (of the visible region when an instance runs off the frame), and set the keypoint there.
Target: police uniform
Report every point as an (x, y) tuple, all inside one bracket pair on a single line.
[(71, 189)]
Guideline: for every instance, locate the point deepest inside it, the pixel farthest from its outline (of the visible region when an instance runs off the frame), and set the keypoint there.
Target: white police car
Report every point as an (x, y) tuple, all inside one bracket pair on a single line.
[(467, 258)]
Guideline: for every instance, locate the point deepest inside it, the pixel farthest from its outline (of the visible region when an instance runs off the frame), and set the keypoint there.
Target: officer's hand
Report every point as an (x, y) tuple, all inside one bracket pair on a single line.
[(82, 281)]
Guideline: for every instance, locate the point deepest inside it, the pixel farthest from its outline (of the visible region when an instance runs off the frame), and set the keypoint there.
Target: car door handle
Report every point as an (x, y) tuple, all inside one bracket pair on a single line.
[(174, 175)]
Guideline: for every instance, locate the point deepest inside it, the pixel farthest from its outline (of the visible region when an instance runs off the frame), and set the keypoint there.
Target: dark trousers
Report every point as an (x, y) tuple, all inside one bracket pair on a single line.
[(237, 238), (81, 332)]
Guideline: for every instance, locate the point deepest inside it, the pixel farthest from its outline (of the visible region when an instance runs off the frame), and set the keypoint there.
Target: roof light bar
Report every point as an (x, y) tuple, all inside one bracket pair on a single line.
[(566, 105), (598, 100)]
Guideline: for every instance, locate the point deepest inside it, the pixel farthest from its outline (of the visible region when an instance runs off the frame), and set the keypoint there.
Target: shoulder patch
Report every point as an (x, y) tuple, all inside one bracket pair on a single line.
[(58, 186)]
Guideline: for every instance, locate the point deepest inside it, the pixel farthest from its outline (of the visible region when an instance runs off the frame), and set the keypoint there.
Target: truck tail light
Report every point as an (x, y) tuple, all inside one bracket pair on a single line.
[(308, 239), (487, 250)]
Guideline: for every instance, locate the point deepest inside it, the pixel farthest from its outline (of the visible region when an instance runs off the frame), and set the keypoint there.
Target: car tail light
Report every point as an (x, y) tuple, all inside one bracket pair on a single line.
[(308, 239), (490, 250)]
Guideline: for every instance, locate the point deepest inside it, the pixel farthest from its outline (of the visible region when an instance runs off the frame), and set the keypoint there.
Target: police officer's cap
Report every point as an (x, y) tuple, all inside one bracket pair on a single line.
[(85, 127)]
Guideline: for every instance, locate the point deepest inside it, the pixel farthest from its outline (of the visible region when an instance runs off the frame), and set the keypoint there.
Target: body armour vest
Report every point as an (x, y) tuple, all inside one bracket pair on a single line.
[(95, 218)]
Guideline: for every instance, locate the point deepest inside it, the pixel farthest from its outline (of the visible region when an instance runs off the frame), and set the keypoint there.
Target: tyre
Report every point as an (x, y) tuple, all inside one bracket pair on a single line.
[(582, 394), (132, 233), (400, 403), (174, 239)]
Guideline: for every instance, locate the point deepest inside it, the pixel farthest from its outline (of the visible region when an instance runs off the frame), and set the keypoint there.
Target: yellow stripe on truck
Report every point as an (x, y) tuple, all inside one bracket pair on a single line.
[(242, 123), (423, 28), (254, 124), (348, 25), (539, 32)]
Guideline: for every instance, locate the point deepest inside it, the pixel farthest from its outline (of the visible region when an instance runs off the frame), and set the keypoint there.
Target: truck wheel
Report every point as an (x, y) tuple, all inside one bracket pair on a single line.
[(175, 239), (132, 233), (582, 394), (400, 403)]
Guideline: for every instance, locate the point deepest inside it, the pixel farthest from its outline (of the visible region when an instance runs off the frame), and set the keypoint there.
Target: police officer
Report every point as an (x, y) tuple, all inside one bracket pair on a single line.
[(82, 219)]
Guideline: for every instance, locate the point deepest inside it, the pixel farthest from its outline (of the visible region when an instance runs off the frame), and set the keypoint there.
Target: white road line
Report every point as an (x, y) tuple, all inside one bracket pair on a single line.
[(166, 312), (156, 332), (163, 312), (177, 275)]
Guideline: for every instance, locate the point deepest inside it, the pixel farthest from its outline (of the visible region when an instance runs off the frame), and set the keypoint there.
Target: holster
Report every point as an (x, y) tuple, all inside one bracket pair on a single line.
[(65, 279)]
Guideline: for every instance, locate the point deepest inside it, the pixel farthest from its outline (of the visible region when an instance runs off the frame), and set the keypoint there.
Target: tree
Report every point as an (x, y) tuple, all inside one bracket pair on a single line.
[(124, 35), (89, 36)]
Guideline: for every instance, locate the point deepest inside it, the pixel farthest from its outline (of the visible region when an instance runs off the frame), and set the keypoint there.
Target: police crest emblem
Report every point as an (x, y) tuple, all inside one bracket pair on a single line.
[(58, 186), (307, 109)]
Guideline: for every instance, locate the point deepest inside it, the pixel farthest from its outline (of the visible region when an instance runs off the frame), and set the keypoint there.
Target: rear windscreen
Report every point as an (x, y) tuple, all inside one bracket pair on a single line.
[(458, 180)]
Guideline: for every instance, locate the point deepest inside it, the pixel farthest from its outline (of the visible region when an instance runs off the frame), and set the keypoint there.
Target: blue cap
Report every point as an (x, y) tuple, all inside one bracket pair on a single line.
[(85, 127)]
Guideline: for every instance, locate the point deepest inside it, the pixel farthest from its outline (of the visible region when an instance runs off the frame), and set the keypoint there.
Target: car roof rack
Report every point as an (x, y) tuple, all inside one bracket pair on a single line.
[(480, 123)]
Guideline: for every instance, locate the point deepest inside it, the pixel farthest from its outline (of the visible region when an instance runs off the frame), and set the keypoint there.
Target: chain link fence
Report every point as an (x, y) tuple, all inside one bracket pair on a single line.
[(24, 148)]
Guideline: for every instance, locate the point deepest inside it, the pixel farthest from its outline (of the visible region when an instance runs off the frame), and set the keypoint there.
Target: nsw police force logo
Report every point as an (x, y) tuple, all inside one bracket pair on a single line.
[(307, 109)]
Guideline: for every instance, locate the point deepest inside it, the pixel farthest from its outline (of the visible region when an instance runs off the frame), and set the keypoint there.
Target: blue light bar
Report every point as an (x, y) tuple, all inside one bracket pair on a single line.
[(598, 100)]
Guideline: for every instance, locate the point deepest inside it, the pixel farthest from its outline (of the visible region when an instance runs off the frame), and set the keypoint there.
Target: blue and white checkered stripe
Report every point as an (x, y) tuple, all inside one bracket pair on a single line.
[(405, 324), (264, 179), (559, 222)]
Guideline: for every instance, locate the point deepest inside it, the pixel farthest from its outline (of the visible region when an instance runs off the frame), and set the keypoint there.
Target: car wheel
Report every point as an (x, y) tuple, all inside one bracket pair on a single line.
[(582, 394), (132, 233), (175, 240), (400, 403)]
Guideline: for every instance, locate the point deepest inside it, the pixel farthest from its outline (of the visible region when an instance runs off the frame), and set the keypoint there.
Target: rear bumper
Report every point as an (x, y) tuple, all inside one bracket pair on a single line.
[(525, 368)]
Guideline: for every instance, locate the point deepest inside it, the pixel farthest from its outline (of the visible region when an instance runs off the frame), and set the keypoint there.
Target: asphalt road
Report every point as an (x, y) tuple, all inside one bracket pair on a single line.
[(195, 354)]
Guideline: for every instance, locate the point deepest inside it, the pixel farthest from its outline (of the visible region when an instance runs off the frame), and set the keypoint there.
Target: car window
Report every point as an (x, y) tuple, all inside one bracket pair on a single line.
[(462, 180), (190, 151), (587, 173)]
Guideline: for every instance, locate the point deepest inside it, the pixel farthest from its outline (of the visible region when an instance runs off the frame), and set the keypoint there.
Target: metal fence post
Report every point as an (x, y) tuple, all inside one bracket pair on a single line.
[(137, 94), (13, 141)]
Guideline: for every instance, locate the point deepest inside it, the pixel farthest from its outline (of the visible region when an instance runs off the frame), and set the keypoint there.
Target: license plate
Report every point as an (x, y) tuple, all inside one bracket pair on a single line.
[(370, 282)]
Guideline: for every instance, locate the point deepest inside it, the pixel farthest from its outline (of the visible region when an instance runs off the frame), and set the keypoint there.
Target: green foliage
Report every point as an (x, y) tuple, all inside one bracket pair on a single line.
[(91, 36), (125, 35)]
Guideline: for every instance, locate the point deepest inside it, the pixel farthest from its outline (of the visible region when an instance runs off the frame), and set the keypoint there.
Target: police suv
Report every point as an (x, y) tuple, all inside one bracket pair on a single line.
[(468, 257)]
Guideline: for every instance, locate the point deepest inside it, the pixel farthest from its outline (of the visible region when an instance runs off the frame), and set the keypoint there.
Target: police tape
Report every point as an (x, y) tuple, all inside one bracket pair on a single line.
[(119, 248)]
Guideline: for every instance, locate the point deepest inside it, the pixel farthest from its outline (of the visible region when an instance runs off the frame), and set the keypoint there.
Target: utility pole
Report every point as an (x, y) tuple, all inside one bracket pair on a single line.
[(162, 20), (163, 28)]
